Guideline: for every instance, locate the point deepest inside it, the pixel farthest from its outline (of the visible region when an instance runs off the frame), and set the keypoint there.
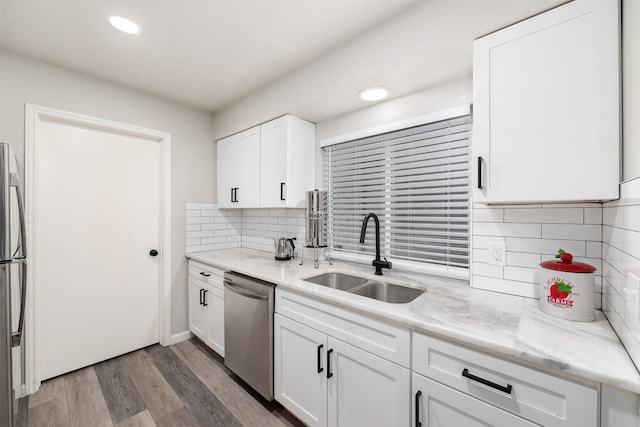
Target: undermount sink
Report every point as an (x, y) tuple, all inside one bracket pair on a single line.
[(387, 292), (381, 291), (339, 281)]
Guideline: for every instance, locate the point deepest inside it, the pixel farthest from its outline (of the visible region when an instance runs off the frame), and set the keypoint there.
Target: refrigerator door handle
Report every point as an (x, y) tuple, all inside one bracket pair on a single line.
[(16, 338)]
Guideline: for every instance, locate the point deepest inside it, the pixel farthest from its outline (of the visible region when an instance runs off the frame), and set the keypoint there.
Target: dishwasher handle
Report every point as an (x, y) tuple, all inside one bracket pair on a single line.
[(244, 292)]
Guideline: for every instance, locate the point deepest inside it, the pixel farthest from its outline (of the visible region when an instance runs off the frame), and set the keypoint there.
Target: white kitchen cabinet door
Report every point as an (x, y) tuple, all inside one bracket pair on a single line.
[(214, 304), (239, 170), (287, 165), (364, 389), (197, 311), (437, 405), (300, 381), (546, 107)]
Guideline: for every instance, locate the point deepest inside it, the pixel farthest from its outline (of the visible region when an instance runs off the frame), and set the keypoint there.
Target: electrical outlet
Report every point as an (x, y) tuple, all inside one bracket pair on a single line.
[(497, 253)]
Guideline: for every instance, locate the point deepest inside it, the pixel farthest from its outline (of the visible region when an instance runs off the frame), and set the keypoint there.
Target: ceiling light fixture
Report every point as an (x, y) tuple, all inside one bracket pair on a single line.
[(373, 93), (123, 24)]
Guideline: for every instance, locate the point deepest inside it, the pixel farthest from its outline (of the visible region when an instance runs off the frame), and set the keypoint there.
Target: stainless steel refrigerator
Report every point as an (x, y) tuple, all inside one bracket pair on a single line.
[(13, 278)]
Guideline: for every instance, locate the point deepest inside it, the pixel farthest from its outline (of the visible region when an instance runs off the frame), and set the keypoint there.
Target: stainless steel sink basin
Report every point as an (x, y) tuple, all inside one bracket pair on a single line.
[(339, 281), (381, 291), (388, 292)]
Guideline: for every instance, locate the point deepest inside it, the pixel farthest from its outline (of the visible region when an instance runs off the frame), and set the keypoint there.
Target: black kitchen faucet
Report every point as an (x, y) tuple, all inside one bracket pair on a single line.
[(377, 263)]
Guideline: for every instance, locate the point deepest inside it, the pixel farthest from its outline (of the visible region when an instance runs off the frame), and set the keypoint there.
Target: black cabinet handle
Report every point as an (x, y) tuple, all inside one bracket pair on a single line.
[(329, 373), (320, 368), (232, 191), (418, 394), (507, 389), (205, 274), (153, 252), (201, 296), (204, 298), (236, 195), (282, 184), (479, 172)]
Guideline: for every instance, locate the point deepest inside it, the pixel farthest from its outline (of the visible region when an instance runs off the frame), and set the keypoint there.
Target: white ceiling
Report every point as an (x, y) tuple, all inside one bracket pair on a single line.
[(213, 53), (204, 53)]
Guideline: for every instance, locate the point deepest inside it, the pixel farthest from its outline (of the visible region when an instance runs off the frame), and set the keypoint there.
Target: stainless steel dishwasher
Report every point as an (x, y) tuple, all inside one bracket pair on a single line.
[(248, 330)]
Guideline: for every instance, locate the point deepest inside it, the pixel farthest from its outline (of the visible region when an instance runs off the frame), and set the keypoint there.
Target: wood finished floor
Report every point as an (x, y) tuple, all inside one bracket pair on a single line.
[(185, 384)]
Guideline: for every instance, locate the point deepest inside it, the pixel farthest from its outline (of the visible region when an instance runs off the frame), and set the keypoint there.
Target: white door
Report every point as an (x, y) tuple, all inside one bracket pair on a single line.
[(300, 370), (273, 163), (197, 310), (364, 389), (96, 219)]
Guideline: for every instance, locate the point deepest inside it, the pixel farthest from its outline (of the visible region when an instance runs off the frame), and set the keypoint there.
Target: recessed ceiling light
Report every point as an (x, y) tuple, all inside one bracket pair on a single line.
[(123, 24), (373, 93)]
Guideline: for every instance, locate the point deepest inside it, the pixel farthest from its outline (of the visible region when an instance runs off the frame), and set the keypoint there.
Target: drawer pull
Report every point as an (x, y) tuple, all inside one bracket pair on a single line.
[(507, 389), (205, 274)]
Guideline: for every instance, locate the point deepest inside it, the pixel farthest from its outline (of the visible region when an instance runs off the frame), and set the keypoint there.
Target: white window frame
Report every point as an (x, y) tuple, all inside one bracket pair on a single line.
[(421, 267)]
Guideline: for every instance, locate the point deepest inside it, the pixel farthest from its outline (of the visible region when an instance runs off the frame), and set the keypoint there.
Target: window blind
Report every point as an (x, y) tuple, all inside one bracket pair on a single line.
[(416, 180)]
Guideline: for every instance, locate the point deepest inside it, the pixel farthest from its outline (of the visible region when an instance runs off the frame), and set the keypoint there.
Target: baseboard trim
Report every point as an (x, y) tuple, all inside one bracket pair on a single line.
[(182, 336)]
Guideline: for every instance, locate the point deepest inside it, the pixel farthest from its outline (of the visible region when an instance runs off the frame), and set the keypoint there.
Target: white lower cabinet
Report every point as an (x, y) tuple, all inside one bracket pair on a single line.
[(436, 405), (326, 381), (206, 305)]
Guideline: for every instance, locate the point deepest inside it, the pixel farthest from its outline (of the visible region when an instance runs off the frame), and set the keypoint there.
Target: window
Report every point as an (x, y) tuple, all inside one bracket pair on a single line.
[(416, 180)]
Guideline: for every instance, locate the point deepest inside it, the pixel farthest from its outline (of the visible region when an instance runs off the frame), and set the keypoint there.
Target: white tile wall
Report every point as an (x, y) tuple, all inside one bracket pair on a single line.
[(209, 228), (620, 256), (533, 234), (261, 226)]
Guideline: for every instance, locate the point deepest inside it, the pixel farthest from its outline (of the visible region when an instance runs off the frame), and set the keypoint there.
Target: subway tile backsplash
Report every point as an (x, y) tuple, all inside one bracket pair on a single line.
[(209, 228), (620, 261), (532, 234)]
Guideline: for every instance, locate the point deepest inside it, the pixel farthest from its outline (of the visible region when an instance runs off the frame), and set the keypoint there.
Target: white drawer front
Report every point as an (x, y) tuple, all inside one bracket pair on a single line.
[(537, 396), (208, 274), (375, 336)]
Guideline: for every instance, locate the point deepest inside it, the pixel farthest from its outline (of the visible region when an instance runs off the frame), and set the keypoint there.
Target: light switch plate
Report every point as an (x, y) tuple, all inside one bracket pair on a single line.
[(497, 253)]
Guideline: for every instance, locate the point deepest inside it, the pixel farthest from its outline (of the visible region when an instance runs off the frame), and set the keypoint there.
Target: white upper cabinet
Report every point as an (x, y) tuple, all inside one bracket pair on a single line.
[(287, 162), (268, 166), (546, 107), (239, 170)]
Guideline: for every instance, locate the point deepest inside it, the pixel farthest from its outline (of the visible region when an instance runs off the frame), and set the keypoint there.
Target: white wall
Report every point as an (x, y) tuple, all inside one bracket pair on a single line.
[(193, 151)]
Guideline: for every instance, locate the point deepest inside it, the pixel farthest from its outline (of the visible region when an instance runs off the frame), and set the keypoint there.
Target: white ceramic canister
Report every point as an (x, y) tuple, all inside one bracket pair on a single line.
[(567, 290)]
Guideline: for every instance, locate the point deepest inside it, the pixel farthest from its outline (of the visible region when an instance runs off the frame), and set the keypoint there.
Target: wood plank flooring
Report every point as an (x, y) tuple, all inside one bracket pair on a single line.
[(185, 385)]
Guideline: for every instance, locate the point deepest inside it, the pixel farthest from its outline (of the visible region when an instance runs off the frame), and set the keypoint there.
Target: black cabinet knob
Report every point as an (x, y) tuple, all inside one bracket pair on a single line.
[(153, 252)]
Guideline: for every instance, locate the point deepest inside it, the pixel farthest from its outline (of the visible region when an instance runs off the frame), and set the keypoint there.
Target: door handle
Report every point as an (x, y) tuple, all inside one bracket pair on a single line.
[(507, 389), (417, 402), (244, 292), (480, 173), (204, 298), (329, 373), (16, 338), (205, 274), (232, 191), (320, 368), (282, 184), (201, 296), (153, 252)]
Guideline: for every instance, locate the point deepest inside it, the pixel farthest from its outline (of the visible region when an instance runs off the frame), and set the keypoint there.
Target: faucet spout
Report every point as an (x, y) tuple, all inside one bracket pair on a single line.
[(377, 262)]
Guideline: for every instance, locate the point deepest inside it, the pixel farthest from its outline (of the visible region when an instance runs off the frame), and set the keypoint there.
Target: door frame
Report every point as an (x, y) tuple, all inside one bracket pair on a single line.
[(33, 115)]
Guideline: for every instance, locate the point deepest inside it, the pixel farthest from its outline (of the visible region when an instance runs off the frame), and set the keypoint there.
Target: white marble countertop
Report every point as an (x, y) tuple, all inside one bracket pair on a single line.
[(506, 325)]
